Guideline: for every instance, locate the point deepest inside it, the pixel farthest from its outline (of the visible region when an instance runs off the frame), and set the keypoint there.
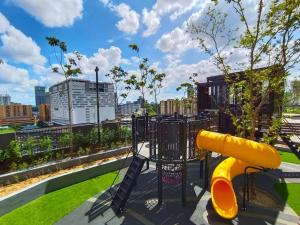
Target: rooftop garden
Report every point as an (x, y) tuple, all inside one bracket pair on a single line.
[(32, 149), (289, 157), (51, 207), (7, 130)]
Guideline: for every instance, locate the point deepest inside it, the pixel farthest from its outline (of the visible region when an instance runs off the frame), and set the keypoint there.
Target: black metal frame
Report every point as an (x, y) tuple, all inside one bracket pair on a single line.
[(183, 131), (246, 186), (172, 154)]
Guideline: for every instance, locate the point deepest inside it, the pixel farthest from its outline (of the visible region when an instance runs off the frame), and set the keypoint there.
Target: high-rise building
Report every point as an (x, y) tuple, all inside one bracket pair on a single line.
[(5, 99), (83, 102), (186, 106), (47, 98), (40, 95), (16, 114), (44, 112)]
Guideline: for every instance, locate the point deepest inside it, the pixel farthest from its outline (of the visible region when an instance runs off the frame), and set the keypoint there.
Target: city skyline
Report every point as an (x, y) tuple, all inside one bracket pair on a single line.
[(158, 27)]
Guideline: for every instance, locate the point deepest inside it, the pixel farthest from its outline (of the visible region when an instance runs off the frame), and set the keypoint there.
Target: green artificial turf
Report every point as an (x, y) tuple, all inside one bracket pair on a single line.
[(289, 157), (7, 130), (51, 207), (290, 193)]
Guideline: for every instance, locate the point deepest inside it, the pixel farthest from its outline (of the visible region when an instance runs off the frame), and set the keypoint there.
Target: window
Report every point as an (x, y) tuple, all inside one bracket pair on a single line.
[(7, 109), (15, 110), (103, 87), (24, 110)]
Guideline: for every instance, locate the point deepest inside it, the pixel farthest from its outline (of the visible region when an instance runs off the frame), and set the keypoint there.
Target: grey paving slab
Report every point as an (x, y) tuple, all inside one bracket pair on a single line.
[(142, 205)]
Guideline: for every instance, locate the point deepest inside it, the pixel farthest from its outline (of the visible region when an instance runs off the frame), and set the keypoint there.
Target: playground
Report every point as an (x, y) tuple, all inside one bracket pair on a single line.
[(182, 171), (183, 174), (142, 206)]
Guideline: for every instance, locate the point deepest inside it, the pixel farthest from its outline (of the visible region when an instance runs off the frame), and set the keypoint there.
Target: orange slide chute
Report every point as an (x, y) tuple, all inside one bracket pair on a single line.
[(242, 153)]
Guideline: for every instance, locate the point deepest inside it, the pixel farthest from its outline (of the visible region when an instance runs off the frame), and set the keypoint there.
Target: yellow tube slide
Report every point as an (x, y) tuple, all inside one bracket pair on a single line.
[(242, 153)]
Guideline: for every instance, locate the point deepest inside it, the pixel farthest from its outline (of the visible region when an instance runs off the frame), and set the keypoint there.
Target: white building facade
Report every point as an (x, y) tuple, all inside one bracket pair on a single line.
[(83, 102), (129, 108)]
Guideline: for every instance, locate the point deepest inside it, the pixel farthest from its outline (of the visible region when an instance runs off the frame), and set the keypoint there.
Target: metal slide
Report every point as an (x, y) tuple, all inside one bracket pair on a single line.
[(242, 153)]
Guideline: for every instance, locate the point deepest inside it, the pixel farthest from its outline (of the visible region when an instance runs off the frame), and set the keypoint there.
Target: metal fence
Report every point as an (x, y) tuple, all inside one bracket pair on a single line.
[(147, 129)]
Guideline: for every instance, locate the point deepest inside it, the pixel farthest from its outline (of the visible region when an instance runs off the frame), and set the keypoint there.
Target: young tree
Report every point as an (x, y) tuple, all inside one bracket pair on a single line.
[(189, 90), (118, 76), (295, 91), (148, 79), (66, 67), (269, 42), (155, 85)]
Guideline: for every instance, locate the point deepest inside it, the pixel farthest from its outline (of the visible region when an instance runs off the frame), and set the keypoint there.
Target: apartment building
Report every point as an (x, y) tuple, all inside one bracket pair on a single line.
[(44, 112), (16, 114), (83, 101), (130, 107), (186, 107)]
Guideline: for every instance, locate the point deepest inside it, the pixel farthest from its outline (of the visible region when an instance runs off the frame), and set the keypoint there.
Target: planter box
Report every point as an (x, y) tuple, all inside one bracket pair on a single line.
[(16, 200), (18, 176)]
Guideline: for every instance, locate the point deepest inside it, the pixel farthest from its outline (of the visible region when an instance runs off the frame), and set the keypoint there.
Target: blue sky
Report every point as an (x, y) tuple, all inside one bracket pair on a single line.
[(101, 31)]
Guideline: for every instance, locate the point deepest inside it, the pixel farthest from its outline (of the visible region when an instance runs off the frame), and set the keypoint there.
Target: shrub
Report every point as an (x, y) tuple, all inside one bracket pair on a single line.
[(87, 150), (2, 155), (93, 137), (46, 144), (80, 140), (64, 140), (14, 150), (125, 134), (13, 166), (29, 146), (107, 137), (47, 147), (23, 166)]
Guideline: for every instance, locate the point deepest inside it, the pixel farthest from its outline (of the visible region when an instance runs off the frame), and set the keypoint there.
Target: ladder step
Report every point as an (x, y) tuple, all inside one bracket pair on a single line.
[(128, 183), (131, 177), (123, 189), (117, 206)]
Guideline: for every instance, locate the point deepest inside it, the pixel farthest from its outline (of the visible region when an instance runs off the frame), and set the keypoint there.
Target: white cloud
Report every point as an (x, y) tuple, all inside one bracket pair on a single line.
[(52, 13), (152, 22), (130, 19), (4, 23), (175, 8), (176, 42), (180, 40), (49, 78), (11, 74), (18, 82), (17, 46), (105, 2), (105, 59)]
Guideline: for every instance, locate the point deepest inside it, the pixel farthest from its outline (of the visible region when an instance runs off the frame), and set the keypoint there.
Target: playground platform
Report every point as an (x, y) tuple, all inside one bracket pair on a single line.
[(142, 207)]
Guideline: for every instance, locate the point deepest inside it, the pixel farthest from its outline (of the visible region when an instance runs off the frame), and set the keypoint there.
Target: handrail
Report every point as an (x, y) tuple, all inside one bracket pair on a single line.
[(291, 127), (121, 167)]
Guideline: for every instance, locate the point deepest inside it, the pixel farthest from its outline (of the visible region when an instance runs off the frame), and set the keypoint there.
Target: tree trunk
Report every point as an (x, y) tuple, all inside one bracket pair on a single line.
[(70, 116), (116, 103), (253, 127), (143, 102), (155, 100)]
